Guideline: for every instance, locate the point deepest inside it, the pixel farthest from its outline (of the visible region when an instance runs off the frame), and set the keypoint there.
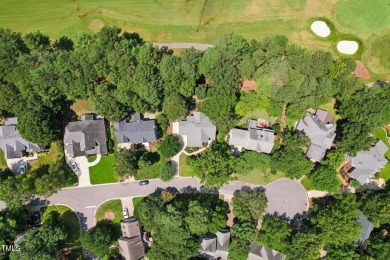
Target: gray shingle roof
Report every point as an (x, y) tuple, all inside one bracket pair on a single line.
[(209, 244), (223, 239), (85, 138), (136, 130), (255, 138), (263, 253), (367, 163), (12, 144), (366, 230), (130, 244), (321, 131), (198, 128)]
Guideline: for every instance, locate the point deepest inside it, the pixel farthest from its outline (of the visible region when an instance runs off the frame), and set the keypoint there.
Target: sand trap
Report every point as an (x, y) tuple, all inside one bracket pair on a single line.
[(347, 47), (320, 28), (95, 25)]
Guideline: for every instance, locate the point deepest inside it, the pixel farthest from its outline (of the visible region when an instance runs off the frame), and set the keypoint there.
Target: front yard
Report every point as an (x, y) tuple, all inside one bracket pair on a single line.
[(184, 170), (256, 177), (114, 206), (104, 171)]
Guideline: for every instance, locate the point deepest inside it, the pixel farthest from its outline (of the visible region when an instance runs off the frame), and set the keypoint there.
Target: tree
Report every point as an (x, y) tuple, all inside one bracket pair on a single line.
[(249, 161), (147, 209), (163, 123), (378, 245), (36, 41), (174, 107), (249, 204), (100, 239), (169, 147), (325, 178), (275, 233), (244, 232), (167, 172), (342, 252), (17, 190), (376, 206), (336, 221), (126, 162), (305, 246), (214, 166)]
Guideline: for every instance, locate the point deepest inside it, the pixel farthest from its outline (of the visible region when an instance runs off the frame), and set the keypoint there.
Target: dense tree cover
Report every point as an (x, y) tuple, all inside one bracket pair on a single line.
[(243, 234), (15, 191), (378, 246), (100, 239), (275, 233), (126, 162), (214, 166), (169, 147), (342, 252), (177, 222), (249, 161), (376, 206), (249, 204), (166, 171), (290, 158), (44, 242)]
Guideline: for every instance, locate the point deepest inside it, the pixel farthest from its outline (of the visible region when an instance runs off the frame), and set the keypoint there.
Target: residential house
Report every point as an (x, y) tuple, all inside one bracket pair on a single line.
[(320, 128), (215, 246), (135, 131), (256, 138), (197, 130), (131, 246), (367, 228), (85, 137), (263, 253), (13, 145), (366, 164)]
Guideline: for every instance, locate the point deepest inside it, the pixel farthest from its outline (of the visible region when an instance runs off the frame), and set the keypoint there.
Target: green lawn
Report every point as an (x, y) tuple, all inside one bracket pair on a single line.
[(308, 184), (185, 170), (56, 150), (137, 200), (380, 133), (69, 219), (150, 172), (3, 162), (104, 171), (256, 177), (255, 115), (113, 205)]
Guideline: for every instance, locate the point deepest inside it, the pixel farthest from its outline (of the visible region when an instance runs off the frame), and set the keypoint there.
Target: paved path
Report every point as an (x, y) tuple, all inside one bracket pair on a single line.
[(184, 45)]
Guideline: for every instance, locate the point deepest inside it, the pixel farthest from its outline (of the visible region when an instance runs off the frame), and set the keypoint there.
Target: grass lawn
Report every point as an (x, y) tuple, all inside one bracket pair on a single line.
[(255, 115), (185, 170), (3, 162), (69, 219), (256, 177), (308, 184), (150, 172), (82, 106), (329, 107), (113, 205), (104, 171), (380, 133), (56, 150), (137, 200)]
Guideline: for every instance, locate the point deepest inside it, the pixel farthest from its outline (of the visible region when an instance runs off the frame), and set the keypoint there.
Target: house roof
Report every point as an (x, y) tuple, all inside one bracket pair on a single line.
[(130, 228), (255, 138), (11, 142), (263, 253), (209, 244), (366, 230), (321, 131), (367, 163), (223, 239), (85, 138), (136, 130), (198, 128), (131, 248)]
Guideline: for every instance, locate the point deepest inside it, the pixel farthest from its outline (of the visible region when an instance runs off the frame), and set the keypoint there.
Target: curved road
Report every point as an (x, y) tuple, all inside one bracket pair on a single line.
[(284, 195)]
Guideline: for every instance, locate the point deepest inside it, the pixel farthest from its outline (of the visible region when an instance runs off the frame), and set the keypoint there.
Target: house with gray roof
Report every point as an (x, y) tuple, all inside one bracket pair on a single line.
[(197, 129), (215, 246), (263, 253), (85, 137), (256, 138), (366, 164), (135, 130), (13, 145), (131, 246), (320, 128), (367, 228)]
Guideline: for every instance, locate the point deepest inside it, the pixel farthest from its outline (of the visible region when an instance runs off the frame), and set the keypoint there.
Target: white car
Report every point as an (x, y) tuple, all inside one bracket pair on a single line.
[(125, 213)]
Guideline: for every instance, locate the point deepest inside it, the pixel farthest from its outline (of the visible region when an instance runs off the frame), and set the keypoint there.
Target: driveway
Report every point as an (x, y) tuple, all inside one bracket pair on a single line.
[(83, 169), (15, 164)]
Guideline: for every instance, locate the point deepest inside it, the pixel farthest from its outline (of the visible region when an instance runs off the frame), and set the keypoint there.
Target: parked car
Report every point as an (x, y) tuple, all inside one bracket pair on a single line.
[(125, 213), (23, 169), (142, 183), (74, 167)]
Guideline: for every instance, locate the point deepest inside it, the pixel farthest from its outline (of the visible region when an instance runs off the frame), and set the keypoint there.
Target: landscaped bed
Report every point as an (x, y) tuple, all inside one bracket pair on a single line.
[(104, 171), (111, 207)]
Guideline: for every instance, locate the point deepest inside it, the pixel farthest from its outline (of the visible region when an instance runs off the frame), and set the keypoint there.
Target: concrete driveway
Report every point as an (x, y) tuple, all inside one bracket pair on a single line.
[(83, 169), (15, 164)]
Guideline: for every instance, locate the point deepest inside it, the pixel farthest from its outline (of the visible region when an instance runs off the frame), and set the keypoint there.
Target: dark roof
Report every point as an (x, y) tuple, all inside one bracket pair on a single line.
[(136, 130), (85, 138)]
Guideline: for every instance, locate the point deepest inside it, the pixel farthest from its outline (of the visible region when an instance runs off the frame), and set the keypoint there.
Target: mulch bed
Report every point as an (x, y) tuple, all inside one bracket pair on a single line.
[(109, 215), (361, 71)]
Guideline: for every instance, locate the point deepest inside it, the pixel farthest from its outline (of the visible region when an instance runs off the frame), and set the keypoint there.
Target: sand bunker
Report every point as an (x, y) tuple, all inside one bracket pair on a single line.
[(95, 25), (320, 28), (347, 47)]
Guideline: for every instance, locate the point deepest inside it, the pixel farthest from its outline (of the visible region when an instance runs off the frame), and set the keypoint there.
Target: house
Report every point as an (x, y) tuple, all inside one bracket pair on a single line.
[(256, 138), (135, 131), (85, 137), (367, 228), (198, 129), (366, 164), (13, 145), (320, 128), (131, 246), (215, 246), (263, 253)]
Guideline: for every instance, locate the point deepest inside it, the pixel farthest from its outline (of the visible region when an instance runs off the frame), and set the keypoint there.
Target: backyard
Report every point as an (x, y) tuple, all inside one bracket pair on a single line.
[(104, 171), (380, 133), (114, 206)]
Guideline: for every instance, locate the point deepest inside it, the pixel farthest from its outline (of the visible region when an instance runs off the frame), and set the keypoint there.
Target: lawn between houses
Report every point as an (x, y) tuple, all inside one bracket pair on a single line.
[(112, 205), (104, 171)]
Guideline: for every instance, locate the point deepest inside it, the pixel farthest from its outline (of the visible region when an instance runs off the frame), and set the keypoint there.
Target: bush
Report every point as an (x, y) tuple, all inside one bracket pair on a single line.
[(355, 184), (162, 122), (167, 172), (201, 91), (169, 147)]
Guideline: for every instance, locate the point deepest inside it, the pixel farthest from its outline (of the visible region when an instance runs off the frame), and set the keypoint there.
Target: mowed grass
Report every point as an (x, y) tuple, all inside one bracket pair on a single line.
[(69, 219), (308, 184), (3, 162), (136, 201), (104, 171), (111, 205), (258, 178), (184, 168), (380, 133), (56, 150)]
